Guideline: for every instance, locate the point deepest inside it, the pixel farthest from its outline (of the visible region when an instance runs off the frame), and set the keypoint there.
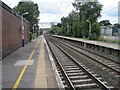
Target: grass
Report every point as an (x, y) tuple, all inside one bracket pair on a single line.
[(105, 40), (108, 40)]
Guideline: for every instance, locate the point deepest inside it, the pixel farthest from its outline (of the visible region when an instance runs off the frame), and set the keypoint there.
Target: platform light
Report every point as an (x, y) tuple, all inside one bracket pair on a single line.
[(23, 27)]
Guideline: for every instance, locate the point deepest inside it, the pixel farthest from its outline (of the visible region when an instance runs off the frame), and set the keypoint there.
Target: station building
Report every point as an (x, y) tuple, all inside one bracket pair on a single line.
[(110, 30)]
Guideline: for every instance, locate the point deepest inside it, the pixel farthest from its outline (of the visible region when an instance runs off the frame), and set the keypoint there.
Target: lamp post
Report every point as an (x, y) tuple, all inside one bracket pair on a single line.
[(89, 28), (38, 29), (23, 28), (34, 28), (34, 31)]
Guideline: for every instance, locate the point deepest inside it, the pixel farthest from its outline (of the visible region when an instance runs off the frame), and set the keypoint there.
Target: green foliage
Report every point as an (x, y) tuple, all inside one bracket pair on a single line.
[(117, 25), (33, 10), (88, 10), (105, 23), (32, 36), (56, 29), (85, 29), (59, 25), (76, 29), (95, 31), (76, 23), (108, 40)]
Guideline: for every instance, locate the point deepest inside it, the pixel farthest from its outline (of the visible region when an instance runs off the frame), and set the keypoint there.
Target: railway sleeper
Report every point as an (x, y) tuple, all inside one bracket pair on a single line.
[(74, 71), (66, 64), (69, 69), (75, 74), (86, 86), (78, 77), (83, 81), (70, 66)]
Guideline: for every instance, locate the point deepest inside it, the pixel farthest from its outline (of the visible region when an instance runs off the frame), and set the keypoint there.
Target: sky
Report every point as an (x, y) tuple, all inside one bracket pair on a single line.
[(54, 10)]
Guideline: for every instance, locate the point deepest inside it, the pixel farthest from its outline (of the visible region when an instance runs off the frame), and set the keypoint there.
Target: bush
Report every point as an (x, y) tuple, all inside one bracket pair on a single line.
[(95, 32), (32, 36)]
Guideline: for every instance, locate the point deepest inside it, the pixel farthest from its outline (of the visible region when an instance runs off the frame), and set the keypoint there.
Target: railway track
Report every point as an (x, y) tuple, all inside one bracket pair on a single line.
[(75, 75), (104, 61)]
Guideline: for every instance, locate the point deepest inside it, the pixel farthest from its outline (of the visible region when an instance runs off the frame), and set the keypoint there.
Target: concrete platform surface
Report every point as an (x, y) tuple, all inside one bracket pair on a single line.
[(28, 67), (105, 44)]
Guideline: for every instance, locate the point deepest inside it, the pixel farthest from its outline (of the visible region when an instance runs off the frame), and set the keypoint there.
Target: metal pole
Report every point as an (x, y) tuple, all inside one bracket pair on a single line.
[(35, 32), (23, 27), (22, 31), (89, 29), (33, 29)]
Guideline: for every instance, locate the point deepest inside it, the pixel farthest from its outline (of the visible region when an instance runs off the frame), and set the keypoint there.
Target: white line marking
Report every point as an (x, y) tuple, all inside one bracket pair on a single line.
[(58, 79)]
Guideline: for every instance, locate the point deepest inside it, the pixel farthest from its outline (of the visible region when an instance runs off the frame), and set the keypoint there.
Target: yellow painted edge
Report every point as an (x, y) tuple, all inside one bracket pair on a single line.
[(24, 69)]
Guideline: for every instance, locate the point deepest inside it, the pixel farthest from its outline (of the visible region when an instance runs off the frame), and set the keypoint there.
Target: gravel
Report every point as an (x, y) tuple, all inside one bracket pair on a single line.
[(106, 74)]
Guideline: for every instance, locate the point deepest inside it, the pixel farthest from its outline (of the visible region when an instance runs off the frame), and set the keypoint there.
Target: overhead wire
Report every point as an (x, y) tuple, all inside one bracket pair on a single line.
[(57, 8), (109, 9), (72, 2), (63, 11), (102, 11)]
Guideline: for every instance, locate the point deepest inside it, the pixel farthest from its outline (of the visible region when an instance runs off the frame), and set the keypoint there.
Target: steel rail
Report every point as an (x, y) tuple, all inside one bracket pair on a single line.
[(101, 84), (92, 58), (118, 62), (62, 69)]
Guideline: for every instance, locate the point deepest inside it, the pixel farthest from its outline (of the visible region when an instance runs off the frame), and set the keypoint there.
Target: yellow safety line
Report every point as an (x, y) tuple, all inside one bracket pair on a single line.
[(24, 69)]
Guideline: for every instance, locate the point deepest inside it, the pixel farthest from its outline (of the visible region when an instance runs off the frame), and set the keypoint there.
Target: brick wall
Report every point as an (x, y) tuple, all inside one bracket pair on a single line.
[(11, 32)]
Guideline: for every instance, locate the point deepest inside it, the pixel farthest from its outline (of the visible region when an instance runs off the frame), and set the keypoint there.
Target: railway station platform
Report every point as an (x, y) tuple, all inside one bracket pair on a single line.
[(100, 43), (111, 50), (29, 67)]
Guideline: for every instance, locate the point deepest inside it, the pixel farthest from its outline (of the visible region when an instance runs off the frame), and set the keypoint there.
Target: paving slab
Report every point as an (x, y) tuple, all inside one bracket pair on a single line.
[(14, 64)]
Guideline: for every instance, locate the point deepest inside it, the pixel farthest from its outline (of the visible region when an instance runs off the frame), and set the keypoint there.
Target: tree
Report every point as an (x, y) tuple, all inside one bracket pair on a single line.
[(117, 25), (68, 22), (95, 31), (76, 23), (33, 10), (64, 23), (105, 23), (56, 29), (115, 29), (88, 10), (59, 25)]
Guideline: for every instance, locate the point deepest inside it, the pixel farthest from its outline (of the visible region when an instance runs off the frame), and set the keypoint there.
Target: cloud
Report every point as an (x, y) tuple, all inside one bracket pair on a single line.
[(51, 8), (11, 3), (54, 10), (113, 19), (111, 11), (45, 19)]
